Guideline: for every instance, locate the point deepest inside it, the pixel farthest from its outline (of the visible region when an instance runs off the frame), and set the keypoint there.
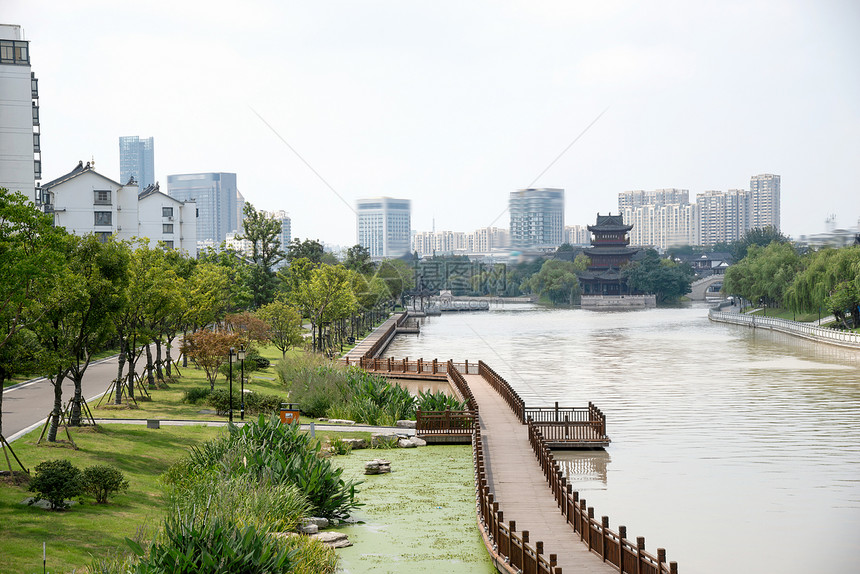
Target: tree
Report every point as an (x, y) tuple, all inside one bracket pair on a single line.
[(765, 274), (358, 260), (30, 255), (263, 232), (326, 296), (398, 276), (662, 277), (209, 350), (285, 324), (250, 328), (557, 281), (761, 236), (310, 249)]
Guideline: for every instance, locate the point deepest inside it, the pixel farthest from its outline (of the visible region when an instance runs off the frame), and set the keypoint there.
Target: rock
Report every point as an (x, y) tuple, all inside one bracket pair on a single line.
[(417, 441), (355, 443), (377, 466), (309, 528), (333, 539), (405, 443), (405, 424), (44, 504), (383, 439), (341, 422), (320, 522)]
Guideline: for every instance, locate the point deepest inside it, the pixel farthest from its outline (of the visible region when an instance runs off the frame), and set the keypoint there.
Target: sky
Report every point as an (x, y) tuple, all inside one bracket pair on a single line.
[(454, 104)]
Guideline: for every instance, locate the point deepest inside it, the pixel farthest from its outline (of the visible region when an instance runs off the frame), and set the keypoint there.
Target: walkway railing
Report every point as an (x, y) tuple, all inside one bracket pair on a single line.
[(504, 389), (612, 546), (512, 551), (797, 328), (405, 366), (445, 423)]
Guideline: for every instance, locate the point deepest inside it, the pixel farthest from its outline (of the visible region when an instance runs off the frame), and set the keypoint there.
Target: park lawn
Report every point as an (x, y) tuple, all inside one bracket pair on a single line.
[(787, 314), (87, 530), (168, 403)]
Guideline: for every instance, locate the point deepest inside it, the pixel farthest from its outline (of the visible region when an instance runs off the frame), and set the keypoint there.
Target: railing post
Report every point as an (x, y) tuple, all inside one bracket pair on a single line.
[(622, 536), (640, 546), (604, 523), (556, 411), (673, 568), (590, 518), (661, 559)]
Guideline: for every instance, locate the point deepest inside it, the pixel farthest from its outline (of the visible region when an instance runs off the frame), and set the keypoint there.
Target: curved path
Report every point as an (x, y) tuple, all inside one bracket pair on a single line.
[(519, 486)]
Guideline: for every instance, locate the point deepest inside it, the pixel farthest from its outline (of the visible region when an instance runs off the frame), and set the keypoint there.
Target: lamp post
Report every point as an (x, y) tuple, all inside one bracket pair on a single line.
[(241, 355), (232, 357)]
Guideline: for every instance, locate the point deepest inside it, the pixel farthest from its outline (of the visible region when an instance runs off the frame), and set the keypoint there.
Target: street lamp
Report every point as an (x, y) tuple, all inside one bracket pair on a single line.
[(232, 357), (241, 355)]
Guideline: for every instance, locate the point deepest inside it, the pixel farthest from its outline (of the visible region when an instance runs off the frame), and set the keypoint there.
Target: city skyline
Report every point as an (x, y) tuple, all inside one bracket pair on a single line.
[(376, 104)]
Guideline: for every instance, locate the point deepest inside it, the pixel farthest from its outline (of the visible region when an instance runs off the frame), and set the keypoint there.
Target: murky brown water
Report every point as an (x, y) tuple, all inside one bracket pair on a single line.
[(736, 450)]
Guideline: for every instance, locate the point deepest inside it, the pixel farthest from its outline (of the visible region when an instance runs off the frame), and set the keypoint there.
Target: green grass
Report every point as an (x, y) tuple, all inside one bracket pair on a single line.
[(74, 536), (786, 314), (168, 403)]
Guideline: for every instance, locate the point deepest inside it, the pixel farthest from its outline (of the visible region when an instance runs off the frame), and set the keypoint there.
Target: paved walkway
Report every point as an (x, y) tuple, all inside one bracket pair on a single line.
[(519, 486)]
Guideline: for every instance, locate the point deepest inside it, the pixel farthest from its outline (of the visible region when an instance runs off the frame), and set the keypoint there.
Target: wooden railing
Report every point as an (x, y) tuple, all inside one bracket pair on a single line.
[(445, 422), (504, 389), (613, 547), (405, 366), (569, 423), (514, 550), (461, 387)]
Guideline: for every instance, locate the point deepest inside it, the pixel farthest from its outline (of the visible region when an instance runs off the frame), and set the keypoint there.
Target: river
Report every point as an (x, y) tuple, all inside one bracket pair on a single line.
[(736, 450)]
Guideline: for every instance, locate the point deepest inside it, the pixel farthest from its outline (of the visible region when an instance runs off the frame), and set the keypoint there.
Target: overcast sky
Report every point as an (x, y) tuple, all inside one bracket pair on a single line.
[(455, 104)]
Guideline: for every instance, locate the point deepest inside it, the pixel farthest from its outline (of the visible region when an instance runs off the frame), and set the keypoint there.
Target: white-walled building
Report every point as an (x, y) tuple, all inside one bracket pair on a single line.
[(577, 235), (384, 226), (84, 201), (20, 146)]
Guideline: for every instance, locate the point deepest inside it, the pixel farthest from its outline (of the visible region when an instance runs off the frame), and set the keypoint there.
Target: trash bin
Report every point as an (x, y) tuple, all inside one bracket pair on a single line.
[(289, 413)]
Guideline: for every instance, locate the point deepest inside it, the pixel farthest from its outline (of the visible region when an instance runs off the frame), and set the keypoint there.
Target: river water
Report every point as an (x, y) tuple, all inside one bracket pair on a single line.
[(737, 450)]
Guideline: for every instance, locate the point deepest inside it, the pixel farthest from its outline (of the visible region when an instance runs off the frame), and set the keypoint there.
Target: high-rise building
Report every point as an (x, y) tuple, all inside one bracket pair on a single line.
[(638, 198), (537, 218), (384, 226), (660, 218), (20, 146), (723, 216), (217, 203), (764, 200), (577, 235), (137, 160)]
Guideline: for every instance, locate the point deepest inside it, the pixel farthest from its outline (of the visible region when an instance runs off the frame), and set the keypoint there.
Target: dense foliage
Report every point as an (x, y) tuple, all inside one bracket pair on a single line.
[(664, 278), (56, 481)]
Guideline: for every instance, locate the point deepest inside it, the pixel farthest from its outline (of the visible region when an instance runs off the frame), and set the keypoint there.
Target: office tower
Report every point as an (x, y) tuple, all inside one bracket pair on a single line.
[(137, 160), (216, 196), (383, 226), (764, 200), (537, 218), (20, 146)]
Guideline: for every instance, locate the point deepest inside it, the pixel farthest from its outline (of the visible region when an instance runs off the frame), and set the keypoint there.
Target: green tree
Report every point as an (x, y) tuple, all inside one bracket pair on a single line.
[(209, 350), (358, 260), (310, 249), (285, 324), (662, 277), (325, 297), (761, 236), (765, 274), (556, 281), (263, 232), (30, 256)]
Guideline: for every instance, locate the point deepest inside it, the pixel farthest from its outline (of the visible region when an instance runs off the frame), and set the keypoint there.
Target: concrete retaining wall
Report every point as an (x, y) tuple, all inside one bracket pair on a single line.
[(804, 330)]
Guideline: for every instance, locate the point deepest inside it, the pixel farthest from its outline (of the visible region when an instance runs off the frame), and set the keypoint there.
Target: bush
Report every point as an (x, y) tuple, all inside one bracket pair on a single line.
[(258, 362), (194, 395), (438, 401), (211, 546), (340, 446), (274, 453), (101, 481), (255, 403), (56, 481)]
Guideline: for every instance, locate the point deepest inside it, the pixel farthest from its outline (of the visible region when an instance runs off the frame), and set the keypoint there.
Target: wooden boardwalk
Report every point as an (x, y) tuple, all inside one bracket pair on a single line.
[(519, 486)]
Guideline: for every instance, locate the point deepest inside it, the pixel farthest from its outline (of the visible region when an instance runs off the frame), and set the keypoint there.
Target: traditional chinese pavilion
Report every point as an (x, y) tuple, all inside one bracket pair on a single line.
[(609, 252)]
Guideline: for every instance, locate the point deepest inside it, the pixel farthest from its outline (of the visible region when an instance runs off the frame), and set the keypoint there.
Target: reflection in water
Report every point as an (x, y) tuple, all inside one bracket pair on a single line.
[(585, 469), (725, 440)]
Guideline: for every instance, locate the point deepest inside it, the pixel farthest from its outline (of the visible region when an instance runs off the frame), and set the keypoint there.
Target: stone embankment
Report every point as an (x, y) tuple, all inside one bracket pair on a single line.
[(796, 328)]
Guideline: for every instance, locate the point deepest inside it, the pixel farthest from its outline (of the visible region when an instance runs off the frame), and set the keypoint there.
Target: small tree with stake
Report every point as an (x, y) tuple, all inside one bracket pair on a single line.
[(209, 350)]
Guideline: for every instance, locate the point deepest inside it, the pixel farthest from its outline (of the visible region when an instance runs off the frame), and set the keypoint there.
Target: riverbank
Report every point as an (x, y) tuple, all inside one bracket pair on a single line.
[(796, 328)]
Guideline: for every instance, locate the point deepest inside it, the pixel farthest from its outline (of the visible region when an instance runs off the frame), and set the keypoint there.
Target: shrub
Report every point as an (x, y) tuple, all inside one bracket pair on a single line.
[(101, 481), (340, 446), (194, 395), (220, 401), (258, 362), (55, 481), (438, 401), (211, 546), (261, 403)]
